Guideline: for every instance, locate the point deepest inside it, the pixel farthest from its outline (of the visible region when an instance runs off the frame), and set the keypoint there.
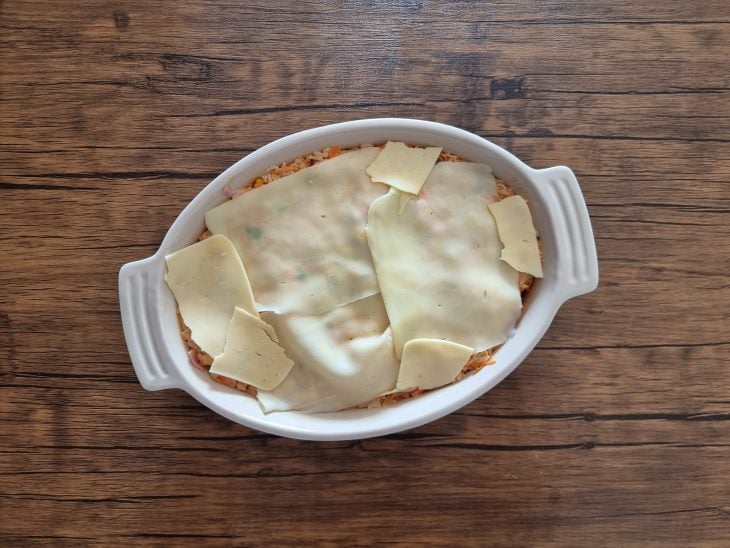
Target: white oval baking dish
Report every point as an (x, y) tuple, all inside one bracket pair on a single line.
[(570, 269)]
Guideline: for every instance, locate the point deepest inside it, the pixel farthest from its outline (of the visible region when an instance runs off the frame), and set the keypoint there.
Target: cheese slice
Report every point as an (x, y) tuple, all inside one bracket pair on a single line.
[(402, 167), (302, 237), (258, 322), (208, 281), (430, 363), (251, 354), (438, 263), (344, 358), (518, 235)]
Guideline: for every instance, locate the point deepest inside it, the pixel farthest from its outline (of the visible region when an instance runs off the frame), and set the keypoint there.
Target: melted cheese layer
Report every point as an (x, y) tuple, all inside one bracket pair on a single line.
[(438, 263), (343, 358), (302, 238)]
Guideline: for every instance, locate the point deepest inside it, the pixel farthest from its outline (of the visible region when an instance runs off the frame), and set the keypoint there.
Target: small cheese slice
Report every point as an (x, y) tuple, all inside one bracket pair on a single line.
[(403, 167), (261, 324), (208, 281), (430, 363), (517, 233), (251, 354), (302, 238)]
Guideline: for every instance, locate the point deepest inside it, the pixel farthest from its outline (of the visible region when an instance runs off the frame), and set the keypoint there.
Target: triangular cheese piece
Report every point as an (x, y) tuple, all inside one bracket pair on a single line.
[(261, 324), (209, 281), (430, 363), (251, 354), (402, 167), (517, 233)]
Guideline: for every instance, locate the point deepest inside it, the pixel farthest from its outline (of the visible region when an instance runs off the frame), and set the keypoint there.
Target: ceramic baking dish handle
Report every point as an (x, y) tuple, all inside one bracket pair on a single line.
[(577, 262), (141, 323)]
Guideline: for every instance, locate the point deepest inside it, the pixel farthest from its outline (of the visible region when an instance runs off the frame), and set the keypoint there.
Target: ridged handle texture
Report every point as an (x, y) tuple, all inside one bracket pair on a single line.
[(141, 322), (566, 207)]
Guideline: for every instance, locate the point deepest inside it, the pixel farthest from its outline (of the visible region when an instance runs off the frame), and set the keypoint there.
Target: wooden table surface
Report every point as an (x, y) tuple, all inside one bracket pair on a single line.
[(615, 430)]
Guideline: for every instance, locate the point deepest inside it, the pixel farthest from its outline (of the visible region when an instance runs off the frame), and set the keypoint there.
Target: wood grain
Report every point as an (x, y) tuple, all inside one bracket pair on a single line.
[(615, 430)]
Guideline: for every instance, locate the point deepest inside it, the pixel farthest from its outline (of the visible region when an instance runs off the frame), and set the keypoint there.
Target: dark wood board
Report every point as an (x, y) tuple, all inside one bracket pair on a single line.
[(614, 431)]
